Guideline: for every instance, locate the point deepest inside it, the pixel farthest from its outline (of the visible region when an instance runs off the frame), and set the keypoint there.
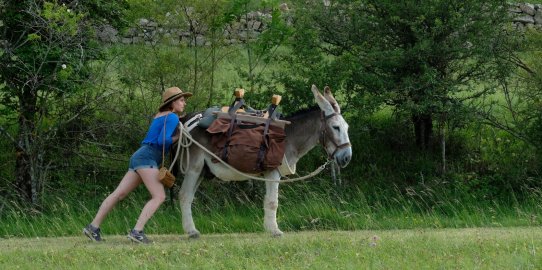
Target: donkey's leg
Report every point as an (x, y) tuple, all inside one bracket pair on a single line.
[(187, 192), (271, 203)]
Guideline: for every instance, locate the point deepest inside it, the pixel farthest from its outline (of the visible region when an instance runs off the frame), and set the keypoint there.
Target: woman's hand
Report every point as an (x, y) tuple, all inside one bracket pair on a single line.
[(175, 136)]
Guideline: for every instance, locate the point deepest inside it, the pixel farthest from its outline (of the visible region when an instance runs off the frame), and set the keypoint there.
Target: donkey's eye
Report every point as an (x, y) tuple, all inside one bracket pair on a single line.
[(337, 128)]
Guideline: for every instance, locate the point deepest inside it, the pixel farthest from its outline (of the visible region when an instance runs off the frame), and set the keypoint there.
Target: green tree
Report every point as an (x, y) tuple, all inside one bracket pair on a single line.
[(190, 63), (46, 49), (521, 112), (261, 47), (424, 58), (206, 22)]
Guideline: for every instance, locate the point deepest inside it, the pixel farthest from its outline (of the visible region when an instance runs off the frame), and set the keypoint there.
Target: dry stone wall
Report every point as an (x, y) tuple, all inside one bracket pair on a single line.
[(251, 25), (526, 16), (147, 31)]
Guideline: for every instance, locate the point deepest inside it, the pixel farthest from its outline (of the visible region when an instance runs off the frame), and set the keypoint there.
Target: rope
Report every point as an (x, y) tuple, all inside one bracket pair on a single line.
[(185, 140)]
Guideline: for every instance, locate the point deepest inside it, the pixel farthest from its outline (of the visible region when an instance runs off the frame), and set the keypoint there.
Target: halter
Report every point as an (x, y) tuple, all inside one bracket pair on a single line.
[(323, 137)]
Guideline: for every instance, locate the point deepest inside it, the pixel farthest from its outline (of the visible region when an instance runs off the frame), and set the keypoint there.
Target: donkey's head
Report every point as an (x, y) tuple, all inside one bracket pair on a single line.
[(334, 131)]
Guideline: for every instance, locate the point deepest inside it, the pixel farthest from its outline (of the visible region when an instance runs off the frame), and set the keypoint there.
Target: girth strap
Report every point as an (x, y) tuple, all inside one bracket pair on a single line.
[(265, 142)]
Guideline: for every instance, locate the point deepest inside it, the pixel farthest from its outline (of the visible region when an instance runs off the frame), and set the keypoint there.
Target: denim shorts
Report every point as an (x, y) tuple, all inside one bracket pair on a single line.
[(145, 157)]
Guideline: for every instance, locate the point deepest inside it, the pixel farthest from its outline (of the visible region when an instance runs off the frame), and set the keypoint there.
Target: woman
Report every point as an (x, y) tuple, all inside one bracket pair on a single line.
[(144, 166)]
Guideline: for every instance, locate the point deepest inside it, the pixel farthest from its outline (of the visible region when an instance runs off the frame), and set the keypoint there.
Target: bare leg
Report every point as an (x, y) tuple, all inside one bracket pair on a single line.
[(271, 203), (158, 196), (128, 183)]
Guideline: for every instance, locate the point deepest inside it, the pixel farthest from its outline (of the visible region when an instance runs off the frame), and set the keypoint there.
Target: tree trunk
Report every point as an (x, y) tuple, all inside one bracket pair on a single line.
[(423, 129), (24, 169), (442, 126), (213, 68), (443, 150), (22, 174)]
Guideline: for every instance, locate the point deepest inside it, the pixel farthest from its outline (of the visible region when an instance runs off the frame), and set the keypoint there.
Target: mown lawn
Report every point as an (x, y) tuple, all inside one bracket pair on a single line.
[(473, 248)]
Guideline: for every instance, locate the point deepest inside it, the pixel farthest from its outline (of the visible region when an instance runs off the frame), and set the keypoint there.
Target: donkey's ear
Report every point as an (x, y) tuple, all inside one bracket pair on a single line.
[(322, 101), (329, 96)]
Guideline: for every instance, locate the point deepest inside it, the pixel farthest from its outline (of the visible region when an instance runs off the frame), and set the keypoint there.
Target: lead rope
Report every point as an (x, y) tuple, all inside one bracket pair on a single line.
[(184, 141), (184, 160)]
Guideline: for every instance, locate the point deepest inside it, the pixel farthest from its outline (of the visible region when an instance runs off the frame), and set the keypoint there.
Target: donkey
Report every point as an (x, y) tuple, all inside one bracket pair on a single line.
[(324, 125)]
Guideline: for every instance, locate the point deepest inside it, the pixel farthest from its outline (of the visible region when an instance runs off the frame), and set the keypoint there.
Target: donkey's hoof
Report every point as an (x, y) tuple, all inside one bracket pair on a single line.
[(277, 233), (193, 235)]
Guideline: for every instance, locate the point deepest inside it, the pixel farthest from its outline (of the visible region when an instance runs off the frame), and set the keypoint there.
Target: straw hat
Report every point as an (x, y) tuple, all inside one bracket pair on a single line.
[(172, 94)]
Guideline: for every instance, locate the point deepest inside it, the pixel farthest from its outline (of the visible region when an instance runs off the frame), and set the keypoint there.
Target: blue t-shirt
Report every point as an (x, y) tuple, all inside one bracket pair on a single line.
[(155, 135)]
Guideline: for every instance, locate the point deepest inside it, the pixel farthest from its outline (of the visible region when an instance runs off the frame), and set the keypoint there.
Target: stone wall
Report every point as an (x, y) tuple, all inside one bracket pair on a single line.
[(146, 31), (526, 16), (250, 26)]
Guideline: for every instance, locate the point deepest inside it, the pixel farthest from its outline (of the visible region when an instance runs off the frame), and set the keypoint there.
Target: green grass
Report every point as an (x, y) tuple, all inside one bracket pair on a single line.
[(300, 209), (481, 248)]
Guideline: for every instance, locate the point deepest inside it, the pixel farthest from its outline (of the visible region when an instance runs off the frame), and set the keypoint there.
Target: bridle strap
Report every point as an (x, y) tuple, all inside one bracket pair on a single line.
[(339, 147), (323, 134), (326, 117)]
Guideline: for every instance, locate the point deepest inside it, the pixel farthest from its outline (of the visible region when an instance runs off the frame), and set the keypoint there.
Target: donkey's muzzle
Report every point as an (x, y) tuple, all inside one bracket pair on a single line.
[(343, 156)]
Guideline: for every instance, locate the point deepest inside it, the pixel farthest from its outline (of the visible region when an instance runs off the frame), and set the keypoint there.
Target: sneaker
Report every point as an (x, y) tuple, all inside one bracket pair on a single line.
[(138, 237), (93, 233)]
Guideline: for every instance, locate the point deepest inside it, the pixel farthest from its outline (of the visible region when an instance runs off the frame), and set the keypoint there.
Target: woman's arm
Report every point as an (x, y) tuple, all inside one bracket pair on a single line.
[(172, 121), (175, 136)]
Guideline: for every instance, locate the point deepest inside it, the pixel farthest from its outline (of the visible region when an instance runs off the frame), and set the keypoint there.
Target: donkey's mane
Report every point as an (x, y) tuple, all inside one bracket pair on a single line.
[(301, 113)]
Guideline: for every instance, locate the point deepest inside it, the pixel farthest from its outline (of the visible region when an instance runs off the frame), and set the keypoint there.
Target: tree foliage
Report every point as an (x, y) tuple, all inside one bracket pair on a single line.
[(421, 57), (47, 46), (70, 104), (521, 112)]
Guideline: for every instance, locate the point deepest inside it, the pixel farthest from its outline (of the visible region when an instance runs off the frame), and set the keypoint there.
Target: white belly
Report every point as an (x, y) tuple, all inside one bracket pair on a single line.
[(221, 171)]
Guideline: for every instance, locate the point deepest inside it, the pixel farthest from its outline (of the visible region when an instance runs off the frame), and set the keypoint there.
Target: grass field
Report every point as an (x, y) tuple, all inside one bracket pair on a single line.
[(478, 248)]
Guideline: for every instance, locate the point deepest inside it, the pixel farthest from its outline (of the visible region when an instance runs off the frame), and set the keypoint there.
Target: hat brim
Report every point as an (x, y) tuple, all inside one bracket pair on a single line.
[(174, 97)]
